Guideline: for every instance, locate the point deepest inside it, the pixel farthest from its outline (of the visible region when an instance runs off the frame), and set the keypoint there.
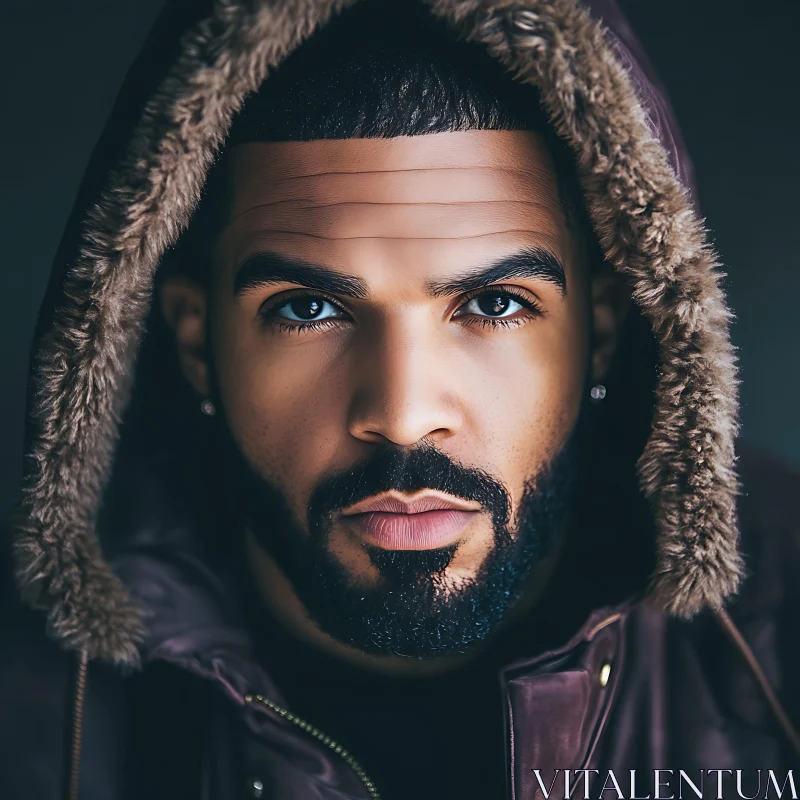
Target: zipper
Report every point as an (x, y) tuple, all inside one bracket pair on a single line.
[(77, 726), (320, 737)]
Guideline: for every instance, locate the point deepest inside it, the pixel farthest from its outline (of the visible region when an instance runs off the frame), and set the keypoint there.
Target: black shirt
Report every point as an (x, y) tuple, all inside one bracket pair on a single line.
[(434, 737)]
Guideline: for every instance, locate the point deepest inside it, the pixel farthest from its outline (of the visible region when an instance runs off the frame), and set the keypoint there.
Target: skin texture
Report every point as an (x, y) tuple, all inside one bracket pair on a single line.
[(400, 365)]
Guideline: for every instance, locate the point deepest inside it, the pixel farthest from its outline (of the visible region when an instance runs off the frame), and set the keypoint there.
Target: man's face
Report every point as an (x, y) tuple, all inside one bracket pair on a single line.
[(377, 300)]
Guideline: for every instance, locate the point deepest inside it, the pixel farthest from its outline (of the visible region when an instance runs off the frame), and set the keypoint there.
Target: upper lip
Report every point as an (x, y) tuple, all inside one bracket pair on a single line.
[(399, 503)]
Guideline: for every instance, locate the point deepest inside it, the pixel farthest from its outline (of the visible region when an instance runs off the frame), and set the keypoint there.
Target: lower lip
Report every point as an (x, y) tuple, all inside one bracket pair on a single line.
[(424, 531)]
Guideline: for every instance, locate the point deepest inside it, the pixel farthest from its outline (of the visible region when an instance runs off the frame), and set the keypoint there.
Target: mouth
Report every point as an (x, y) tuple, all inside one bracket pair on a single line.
[(424, 521)]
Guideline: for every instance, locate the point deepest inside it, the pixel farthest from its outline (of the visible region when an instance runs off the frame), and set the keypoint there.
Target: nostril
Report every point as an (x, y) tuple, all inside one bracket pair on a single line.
[(438, 435), (373, 437)]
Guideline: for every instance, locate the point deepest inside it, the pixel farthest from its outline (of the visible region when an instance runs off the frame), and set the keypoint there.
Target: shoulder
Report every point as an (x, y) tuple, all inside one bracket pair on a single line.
[(768, 606), (37, 691), (769, 518), (141, 731), (713, 689), (34, 687)]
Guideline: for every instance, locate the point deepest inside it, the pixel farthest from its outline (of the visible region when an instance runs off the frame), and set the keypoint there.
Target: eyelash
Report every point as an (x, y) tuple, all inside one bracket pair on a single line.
[(523, 298), (485, 322), (305, 327)]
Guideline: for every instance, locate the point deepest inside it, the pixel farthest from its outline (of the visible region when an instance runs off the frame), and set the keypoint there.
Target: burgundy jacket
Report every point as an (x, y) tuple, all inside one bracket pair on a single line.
[(125, 671)]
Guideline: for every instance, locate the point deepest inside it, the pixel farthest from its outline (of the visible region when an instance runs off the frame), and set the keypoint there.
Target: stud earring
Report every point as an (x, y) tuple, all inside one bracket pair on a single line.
[(208, 408), (598, 392)]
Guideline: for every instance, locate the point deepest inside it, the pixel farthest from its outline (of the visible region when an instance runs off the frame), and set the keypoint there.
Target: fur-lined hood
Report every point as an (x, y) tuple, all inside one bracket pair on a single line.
[(145, 181)]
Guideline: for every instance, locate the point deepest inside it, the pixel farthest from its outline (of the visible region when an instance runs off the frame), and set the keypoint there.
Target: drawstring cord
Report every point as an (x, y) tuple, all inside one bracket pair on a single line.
[(77, 726), (760, 678)]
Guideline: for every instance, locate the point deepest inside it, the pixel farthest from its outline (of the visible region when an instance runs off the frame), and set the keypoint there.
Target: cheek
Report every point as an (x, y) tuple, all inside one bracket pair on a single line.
[(526, 395), (285, 406)]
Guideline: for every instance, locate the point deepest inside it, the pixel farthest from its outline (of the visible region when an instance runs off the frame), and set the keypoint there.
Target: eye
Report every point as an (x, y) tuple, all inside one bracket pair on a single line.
[(493, 303), (307, 308), (498, 307)]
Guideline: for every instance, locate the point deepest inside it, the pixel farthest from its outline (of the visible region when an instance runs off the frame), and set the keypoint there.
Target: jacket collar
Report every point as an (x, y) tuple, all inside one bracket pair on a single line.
[(556, 704)]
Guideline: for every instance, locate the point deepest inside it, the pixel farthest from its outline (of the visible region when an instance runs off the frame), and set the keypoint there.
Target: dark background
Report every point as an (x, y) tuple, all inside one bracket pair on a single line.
[(731, 70)]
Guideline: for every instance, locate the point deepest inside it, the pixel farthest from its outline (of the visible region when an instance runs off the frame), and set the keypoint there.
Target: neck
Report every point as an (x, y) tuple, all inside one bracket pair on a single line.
[(283, 605)]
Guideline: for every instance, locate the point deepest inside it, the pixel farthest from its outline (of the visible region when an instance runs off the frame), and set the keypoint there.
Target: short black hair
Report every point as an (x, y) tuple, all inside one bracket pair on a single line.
[(374, 72)]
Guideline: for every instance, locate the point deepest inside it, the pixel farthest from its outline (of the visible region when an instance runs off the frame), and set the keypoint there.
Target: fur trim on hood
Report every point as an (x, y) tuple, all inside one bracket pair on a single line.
[(86, 350)]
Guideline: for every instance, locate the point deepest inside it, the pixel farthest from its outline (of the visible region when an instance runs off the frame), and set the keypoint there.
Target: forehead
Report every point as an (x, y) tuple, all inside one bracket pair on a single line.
[(437, 199)]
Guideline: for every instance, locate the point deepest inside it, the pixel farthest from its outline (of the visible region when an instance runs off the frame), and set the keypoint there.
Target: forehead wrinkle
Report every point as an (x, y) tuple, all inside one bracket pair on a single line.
[(455, 149), (271, 179), (308, 204), (327, 191), (376, 216), (452, 167), (254, 188), (396, 238), (271, 176)]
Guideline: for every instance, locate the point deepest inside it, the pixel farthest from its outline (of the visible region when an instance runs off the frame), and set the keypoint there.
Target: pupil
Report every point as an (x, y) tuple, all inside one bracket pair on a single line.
[(306, 307), (494, 304)]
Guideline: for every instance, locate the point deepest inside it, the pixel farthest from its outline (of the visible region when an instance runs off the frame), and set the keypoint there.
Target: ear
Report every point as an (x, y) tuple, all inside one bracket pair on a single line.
[(611, 301), (184, 306)]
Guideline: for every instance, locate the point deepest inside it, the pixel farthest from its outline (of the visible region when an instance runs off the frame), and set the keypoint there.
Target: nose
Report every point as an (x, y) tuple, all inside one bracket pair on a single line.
[(404, 389)]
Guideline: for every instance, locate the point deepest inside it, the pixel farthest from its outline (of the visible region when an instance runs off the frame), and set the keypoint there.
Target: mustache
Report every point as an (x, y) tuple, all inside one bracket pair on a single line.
[(408, 471)]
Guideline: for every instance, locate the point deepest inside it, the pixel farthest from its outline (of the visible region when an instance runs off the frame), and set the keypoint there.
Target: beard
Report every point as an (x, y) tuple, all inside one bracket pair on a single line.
[(412, 610)]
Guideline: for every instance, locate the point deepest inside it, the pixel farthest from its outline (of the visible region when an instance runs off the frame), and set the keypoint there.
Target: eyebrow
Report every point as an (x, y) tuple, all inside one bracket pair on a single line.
[(264, 268), (532, 262)]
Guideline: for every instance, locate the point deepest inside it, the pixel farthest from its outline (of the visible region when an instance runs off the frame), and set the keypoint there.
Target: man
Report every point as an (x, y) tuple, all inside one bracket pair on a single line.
[(391, 511)]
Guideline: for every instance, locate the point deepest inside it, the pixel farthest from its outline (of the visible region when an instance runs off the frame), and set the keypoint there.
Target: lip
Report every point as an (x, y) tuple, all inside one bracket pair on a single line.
[(426, 521), (420, 503)]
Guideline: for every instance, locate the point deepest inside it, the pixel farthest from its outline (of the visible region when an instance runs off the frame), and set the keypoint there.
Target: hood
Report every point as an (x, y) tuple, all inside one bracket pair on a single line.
[(145, 181)]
